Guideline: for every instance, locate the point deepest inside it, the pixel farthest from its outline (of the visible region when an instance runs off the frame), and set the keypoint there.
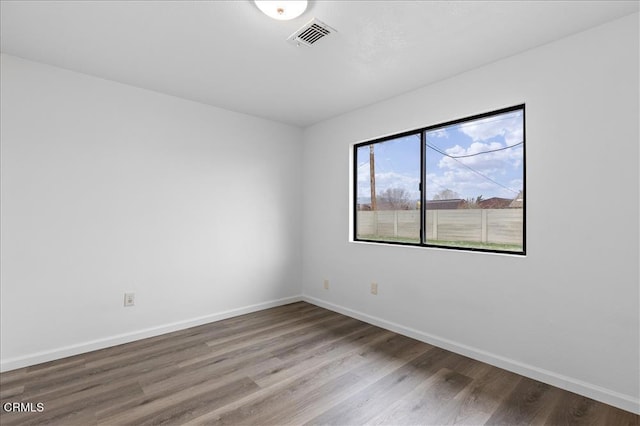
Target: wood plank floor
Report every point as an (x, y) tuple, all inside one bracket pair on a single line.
[(291, 365)]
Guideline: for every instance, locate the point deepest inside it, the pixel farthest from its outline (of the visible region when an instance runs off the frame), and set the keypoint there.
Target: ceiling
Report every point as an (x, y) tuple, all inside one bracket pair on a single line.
[(228, 54)]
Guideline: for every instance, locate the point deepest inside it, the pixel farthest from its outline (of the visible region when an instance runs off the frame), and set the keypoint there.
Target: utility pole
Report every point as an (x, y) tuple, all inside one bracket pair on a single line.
[(372, 177)]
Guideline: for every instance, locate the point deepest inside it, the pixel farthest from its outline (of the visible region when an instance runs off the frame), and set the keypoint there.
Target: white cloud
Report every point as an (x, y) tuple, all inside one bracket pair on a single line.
[(386, 180), (489, 162), (486, 156), (508, 126), (396, 180), (438, 133), (468, 184)]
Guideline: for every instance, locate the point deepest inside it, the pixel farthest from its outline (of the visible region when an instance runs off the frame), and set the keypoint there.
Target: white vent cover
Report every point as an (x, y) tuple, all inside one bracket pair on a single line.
[(310, 33)]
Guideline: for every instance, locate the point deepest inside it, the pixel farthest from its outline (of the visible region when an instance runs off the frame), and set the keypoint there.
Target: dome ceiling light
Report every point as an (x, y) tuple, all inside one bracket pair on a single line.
[(282, 10)]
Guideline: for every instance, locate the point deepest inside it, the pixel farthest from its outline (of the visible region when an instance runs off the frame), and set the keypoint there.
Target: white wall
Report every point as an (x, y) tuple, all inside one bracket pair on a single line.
[(108, 188), (568, 312)]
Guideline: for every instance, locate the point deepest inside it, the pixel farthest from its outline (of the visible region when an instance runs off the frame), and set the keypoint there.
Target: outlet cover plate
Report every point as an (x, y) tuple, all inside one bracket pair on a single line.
[(129, 299)]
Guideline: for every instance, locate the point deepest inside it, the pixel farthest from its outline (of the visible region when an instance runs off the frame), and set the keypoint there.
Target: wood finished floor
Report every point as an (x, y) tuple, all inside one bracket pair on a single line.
[(295, 364)]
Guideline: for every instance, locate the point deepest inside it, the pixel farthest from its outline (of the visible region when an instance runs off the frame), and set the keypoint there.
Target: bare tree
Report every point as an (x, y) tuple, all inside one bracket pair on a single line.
[(473, 203), (446, 194), (395, 199)]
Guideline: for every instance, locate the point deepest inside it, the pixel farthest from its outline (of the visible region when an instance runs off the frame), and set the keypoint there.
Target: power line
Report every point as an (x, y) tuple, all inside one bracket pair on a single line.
[(473, 170), (485, 152)]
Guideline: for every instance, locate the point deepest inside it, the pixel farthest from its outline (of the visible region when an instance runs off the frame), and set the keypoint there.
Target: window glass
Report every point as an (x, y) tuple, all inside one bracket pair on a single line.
[(388, 195), (457, 185), (474, 183)]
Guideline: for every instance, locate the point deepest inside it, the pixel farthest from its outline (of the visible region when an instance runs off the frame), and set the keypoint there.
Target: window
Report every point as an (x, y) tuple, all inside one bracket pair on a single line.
[(457, 185)]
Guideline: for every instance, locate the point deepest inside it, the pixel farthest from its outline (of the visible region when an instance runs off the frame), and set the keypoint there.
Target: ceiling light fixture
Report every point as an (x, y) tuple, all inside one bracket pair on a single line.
[(282, 10)]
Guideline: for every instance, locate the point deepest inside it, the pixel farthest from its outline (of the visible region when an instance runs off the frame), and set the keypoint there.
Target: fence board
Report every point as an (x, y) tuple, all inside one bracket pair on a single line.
[(502, 226)]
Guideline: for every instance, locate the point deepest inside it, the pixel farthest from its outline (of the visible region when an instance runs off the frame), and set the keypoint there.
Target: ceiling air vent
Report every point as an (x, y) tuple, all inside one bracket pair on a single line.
[(313, 31)]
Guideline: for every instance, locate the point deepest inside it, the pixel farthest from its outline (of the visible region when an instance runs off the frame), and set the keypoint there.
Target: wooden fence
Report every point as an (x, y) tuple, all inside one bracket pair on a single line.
[(501, 226)]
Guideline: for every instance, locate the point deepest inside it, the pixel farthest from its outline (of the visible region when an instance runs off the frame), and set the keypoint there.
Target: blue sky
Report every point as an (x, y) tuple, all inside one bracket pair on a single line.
[(484, 164)]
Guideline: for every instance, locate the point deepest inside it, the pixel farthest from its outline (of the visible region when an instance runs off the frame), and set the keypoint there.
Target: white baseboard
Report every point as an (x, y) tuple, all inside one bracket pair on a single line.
[(63, 352), (608, 396)]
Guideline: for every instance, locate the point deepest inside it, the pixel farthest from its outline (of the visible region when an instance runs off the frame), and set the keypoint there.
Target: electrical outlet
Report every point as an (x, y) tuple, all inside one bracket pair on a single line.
[(129, 299), (326, 284), (374, 288)]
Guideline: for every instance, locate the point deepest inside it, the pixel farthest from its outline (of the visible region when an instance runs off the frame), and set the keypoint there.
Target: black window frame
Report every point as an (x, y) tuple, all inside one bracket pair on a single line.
[(421, 133)]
